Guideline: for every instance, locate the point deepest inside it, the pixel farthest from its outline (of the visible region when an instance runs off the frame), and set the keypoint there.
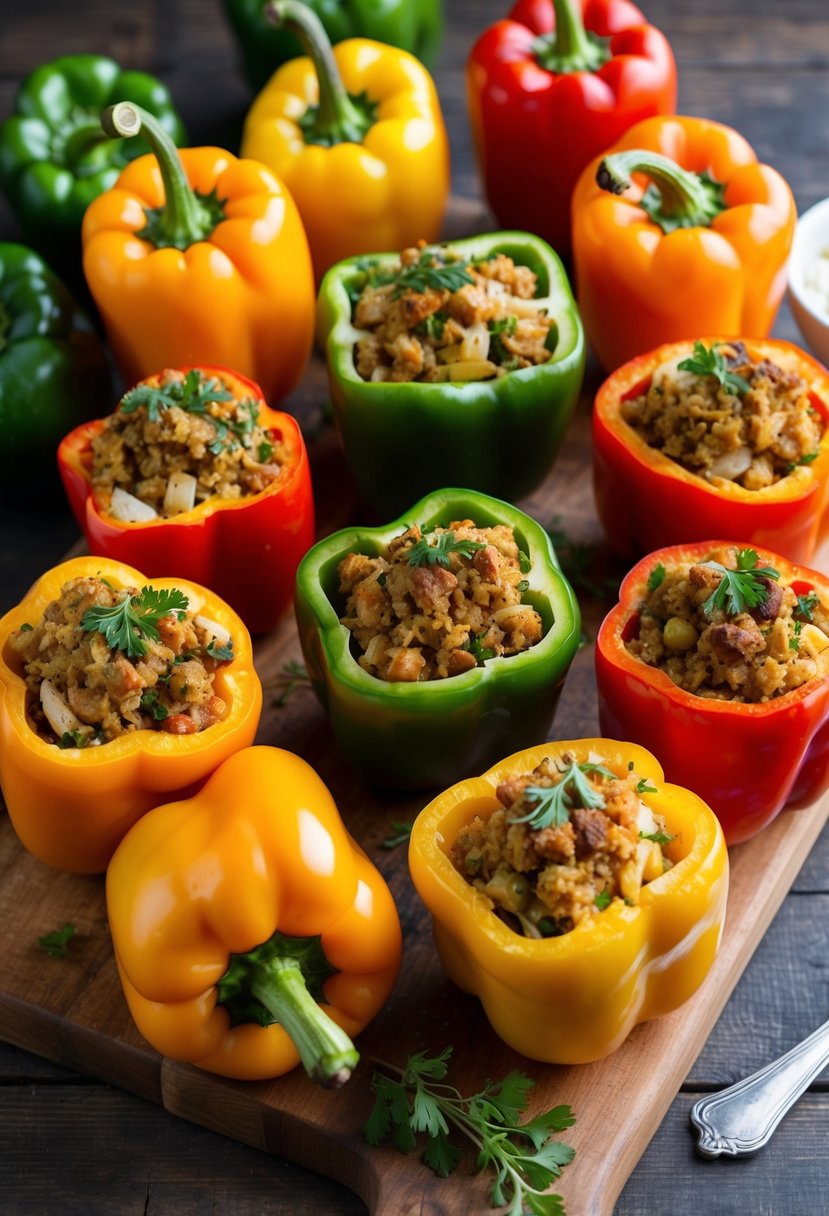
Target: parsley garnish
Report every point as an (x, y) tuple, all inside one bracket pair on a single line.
[(741, 588), (433, 325), (77, 738), (643, 787), (429, 273), (656, 577), (603, 900), (504, 325), (25, 627), (400, 834), (523, 586), (794, 642), (806, 604), (56, 943), (151, 704), (134, 618), (480, 652), (705, 362), (222, 652), (425, 553), (553, 803), (264, 452), (525, 1160), (524, 563), (195, 394), (657, 837)]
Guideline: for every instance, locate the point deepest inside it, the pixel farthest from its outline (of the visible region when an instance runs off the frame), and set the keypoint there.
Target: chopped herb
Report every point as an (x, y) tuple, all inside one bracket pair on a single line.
[(806, 604), (630, 902), (56, 943), (630, 766), (603, 900), (25, 627), (78, 738), (425, 553), (553, 803), (430, 273), (264, 452), (644, 788), (525, 1160), (381, 579), (433, 325), (705, 362), (195, 394), (794, 642), (656, 577), (134, 618), (497, 351), (657, 837), (524, 563), (741, 588), (152, 705), (523, 586), (400, 834), (222, 652), (474, 644)]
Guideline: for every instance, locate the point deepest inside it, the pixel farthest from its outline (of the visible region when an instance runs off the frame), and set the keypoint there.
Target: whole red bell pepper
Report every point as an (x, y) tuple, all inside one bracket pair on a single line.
[(746, 760), (551, 87), (245, 549)]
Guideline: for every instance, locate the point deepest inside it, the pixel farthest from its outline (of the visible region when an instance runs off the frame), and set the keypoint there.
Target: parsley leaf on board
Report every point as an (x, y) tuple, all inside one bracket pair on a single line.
[(741, 588), (705, 362), (400, 834), (56, 943), (426, 553), (136, 616), (552, 803)]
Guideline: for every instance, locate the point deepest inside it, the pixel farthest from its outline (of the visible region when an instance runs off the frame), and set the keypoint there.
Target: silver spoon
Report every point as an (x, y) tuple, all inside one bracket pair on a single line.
[(741, 1119)]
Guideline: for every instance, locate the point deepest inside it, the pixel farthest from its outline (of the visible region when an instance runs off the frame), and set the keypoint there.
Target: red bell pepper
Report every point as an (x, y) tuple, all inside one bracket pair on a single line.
[(551, 87), (746, 760), (245, 549), (645, 499)]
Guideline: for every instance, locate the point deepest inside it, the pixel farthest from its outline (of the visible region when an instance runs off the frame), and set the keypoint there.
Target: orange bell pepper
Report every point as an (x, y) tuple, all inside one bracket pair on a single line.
[(696, 244), (197, 257), (71, 807), (234, 913)]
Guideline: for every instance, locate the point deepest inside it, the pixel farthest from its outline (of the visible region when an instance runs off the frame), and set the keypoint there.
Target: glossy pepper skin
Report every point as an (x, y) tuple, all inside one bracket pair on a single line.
[(499, 436), (259, 849), (575, 998), (54, 157), (552, 86), (246, 549), (53, 371), (421, 735), (724, 273), (199, 257), (413, 25), (71, 807), (358, 139), (748, 761), (645, 500)]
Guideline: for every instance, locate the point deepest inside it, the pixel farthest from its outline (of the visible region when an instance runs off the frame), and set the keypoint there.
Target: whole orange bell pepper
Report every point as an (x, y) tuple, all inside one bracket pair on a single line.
[(197, 257), (70, 806), (235, 913), (678, 232)]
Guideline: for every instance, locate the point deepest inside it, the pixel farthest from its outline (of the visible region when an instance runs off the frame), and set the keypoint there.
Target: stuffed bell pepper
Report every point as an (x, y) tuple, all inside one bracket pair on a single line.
[(439, 641), (458, 363), (552, 86), (717, 660), (199, 257), (714, 438), (678, 232), (574, 892), (194, 475), (250, 931), (116, 694), (413, 25), (357, 136)]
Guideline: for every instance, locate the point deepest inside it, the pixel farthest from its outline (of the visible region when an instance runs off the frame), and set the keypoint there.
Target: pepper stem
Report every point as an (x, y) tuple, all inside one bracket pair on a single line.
[(570, 47), (338, 118), (184, 219), (676, 198)]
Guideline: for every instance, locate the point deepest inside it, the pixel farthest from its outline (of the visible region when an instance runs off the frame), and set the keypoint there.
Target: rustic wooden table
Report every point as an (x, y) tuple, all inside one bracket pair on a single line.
[(72, 1142)]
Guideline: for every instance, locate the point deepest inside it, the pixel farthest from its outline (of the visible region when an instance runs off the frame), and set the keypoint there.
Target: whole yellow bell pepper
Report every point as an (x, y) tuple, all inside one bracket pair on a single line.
[(250, 931), (575, 998), (357, 137)]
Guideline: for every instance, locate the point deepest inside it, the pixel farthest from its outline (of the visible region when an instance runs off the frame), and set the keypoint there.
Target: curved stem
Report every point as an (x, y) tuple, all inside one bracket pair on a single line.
[(570, 48), (677, 198)]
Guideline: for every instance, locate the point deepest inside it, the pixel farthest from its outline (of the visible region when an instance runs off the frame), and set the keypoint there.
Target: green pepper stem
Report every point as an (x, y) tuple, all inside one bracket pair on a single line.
[(337, 118), (326, 1051), (685, 199), (184, 219), (570, 48)]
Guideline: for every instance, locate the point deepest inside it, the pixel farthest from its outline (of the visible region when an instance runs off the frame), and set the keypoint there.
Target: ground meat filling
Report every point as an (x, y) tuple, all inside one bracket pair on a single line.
[(436, 316), (549, 861), (752, 435), (80, 691), (438, 603), (185, 427), (734, 651)]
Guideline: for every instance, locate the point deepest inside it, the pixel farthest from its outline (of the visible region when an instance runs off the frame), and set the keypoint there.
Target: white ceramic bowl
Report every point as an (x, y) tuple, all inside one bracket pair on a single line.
[(810, 241)]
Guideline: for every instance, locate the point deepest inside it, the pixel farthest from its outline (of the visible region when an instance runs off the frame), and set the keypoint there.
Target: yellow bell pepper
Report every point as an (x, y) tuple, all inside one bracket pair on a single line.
[(357, 137), (234, 913), (575, 998)]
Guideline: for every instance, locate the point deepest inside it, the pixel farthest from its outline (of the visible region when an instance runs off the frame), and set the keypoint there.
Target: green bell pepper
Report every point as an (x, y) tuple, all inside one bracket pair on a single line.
[(53, 370), (500, 436), (414, 25), (426, 734), (54, 156)]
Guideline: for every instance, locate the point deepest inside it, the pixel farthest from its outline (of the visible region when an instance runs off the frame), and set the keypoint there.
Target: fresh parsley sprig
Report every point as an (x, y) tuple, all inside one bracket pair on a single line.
[(195, 394), (525, 1159), (434, 549), (474, 644), (429, 272), (56, 943), (711, 362), (400, 833), (127, 623), (552, 803), (741, 588)]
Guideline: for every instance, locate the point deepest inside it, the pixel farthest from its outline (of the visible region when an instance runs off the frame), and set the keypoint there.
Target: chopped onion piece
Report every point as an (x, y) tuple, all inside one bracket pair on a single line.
[(475, 343), (477, 369), (731, 465), (129, 509), (181, 493), (218, 631), (58, 714)]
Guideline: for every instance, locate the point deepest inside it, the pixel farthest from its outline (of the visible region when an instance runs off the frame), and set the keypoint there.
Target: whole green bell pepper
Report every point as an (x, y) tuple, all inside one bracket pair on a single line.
[(54, 155), (499, 436), (53, 371), (414, 25), (425, 734)]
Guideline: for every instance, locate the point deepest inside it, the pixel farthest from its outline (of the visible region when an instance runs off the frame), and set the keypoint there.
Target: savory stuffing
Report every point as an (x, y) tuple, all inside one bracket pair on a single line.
[(438, 603), (102, 662), (568, 839), (174, 444), (437, 316), (730, 629), (722, 415)]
